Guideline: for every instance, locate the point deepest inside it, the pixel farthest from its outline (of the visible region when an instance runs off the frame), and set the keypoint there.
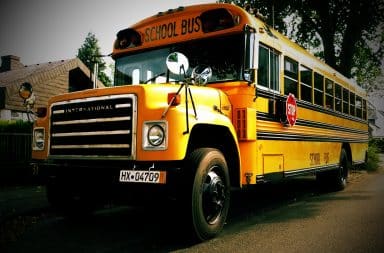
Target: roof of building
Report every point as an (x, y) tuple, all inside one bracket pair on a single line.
[(46, 78), (49, 70)]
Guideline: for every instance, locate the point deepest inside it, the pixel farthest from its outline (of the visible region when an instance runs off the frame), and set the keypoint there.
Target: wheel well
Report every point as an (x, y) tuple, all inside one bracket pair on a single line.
[(218, 137), (347, 149)]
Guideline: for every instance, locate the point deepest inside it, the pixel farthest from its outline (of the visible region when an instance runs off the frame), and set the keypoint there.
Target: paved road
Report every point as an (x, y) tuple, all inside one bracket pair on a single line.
[(349, 221), (289, 217)]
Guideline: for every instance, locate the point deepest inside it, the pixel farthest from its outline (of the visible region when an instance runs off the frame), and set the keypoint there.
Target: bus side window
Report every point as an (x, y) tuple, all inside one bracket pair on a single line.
[(352, 102), (291, 76), (364, 109), (305, 84), (338, 97), (268, 72), (345, 101), (318, 92), (359, 107), (328, 94), (263, 72)]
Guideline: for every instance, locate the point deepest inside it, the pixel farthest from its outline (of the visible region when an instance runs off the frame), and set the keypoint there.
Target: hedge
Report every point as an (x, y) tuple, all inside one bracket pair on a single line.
[(15, 152)]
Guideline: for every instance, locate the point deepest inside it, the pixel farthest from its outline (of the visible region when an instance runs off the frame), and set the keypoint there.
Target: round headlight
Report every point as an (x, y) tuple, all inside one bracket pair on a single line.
[(156, 135)]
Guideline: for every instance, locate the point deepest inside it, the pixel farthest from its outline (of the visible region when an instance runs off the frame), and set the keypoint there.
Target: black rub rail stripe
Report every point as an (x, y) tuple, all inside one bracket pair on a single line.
[(308, 123), (302, 137)]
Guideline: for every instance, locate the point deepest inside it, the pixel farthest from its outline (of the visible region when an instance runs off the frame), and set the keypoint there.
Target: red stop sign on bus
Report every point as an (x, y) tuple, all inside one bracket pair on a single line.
[(291, 109)]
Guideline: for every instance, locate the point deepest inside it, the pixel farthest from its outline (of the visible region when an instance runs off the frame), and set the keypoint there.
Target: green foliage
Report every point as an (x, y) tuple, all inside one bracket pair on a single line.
[(378, 143), (348, 30), (89, 54), (373, 157)]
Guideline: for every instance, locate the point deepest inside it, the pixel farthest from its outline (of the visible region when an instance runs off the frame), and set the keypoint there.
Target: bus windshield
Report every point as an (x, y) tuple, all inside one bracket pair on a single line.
[(223, 55)]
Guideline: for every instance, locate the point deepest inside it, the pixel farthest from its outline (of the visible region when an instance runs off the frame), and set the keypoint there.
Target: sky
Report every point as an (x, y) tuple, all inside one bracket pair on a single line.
[(40, 31)]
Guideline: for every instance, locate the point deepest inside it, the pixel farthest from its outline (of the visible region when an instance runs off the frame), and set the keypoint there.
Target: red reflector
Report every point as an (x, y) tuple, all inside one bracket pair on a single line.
[(174, 99)]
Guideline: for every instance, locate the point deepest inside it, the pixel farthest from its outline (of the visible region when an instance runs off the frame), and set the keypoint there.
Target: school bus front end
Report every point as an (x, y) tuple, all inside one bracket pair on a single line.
[(164, 129), (123, 124)]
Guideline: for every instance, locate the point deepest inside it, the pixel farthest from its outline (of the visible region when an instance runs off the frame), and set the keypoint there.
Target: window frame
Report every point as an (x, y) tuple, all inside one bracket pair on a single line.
[(273, 77), (329, 94), (364, 110), (338, 97), (291, 75), (345, 107), (316, 89), (352, 104), (305, 84), (359, 107)]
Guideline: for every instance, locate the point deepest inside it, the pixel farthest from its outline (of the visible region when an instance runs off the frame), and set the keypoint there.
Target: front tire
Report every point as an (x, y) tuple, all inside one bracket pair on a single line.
[(210, 192)]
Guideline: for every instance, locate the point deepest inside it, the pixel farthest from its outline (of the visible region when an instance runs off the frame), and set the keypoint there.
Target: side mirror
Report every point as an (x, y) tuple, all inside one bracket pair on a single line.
[(177, 62), (251, 56), (26, 92), (201, 74)]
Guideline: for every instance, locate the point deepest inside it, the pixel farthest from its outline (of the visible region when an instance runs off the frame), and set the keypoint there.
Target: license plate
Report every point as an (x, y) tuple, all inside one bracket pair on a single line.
[(142, 176)]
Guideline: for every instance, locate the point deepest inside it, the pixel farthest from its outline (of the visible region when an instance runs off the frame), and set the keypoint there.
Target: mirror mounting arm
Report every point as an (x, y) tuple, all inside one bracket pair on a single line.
[(177, 63)]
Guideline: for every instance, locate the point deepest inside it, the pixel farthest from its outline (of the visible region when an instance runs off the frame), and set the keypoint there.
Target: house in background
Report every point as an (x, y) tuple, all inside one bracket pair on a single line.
[(47, 79), (376, 116)]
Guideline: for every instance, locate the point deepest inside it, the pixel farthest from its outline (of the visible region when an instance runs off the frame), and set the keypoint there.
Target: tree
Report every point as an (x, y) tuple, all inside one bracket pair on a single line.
[(89, 54), (344, 28)]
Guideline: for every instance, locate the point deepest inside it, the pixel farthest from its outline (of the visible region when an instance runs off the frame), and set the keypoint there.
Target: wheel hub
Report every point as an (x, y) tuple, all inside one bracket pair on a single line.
[(213, 197)]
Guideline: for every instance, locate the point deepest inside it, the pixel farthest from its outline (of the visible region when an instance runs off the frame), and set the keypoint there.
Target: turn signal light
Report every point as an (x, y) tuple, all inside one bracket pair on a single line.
[(174, 99)]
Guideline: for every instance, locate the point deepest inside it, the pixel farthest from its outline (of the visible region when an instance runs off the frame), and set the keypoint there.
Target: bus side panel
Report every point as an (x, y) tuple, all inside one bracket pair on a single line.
[(297, 155), (358, 151), (249, 161)]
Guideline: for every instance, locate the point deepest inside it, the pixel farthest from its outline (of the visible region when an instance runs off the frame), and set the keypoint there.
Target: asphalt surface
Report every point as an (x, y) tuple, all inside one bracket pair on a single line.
[(288, 217), (348, 221), (21, 200)]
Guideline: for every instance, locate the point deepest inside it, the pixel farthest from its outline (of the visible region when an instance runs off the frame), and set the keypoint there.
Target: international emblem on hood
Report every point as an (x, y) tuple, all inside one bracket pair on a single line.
[(80, 108)]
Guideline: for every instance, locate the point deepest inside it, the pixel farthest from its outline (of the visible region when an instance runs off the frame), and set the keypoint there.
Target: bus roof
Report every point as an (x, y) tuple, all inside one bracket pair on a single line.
[(211, 20), (182, 24)]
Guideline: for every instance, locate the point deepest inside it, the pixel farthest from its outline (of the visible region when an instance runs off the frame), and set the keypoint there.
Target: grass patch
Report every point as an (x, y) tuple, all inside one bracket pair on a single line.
[(15, 126)]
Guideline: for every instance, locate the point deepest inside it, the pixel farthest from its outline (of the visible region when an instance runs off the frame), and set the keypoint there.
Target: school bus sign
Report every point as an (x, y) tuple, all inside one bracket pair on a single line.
[(172, 29)]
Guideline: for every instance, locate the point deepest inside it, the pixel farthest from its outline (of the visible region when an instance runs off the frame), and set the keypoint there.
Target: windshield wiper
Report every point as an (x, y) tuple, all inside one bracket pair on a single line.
[(153, 78)]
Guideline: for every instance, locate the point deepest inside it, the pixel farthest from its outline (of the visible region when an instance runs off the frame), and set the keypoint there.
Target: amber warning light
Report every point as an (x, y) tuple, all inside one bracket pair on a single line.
[(216, 20), (127, 38)]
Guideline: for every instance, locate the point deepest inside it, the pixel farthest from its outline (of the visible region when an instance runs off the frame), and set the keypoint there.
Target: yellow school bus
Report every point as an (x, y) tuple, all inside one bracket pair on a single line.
[(206, 98)]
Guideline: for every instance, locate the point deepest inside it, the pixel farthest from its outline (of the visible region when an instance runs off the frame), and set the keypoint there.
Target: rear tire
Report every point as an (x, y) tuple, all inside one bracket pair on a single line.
[(210, 192), (336, 180), (340, 176)]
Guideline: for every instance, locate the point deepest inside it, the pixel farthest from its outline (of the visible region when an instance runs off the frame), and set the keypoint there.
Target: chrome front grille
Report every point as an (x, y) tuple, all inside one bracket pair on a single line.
[(96, 127)]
